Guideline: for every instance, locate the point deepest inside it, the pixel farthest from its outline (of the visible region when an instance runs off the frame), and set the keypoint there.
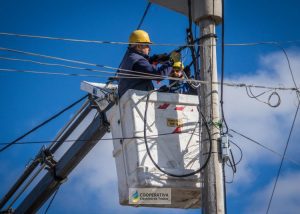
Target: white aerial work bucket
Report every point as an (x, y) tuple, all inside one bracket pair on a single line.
[(172, 135)]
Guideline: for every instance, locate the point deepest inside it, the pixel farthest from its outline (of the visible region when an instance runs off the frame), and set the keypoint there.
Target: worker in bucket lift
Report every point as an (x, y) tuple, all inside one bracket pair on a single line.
[(180, 86), (137, 62), (177, 86)]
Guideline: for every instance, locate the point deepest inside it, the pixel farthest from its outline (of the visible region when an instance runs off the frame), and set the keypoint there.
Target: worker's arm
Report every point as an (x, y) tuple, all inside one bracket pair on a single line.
[(144, 66)]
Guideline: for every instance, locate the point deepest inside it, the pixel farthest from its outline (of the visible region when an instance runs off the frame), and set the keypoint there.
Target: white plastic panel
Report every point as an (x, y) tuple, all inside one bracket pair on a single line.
[(173, 139)]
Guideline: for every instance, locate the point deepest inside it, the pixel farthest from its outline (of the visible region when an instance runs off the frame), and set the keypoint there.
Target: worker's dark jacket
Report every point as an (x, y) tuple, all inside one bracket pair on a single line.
[(136, 61)]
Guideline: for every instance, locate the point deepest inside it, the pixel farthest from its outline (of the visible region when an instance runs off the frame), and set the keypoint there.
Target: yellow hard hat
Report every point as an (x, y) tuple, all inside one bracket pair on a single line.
[(178, 65), (139, 36)]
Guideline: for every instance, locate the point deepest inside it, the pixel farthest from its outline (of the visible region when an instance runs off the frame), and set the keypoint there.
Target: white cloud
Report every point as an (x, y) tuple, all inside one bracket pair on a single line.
[(269, 126), (286, 197)]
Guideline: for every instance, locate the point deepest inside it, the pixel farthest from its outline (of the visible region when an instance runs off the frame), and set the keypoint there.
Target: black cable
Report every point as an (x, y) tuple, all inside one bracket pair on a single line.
[(274, 93), (221, 100), (251, 95), (149, 153), (263, 146), (232, 163), (52, 199), (290, 68), (190, 40), (240, 152), (230, 182), (281, 162), (224, 187), (42, 124), (222, 70), (144, 15), (102, 139)]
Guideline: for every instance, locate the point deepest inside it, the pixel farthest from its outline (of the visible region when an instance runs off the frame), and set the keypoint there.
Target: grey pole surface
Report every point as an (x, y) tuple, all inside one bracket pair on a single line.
[(213, 195)]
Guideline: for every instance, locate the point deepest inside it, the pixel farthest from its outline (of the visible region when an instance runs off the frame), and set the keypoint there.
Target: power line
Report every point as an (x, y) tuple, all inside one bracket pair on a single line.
[(222, 70), (143, 74), (102, 139), (48, 73), (54, 64), (51, 201), (135, 76), (290, 68), (127, 43), (265, 147), (42, 124), (281, 162), (144, 15), (68, 66), (72, 61), (81, 40), (274, 93)]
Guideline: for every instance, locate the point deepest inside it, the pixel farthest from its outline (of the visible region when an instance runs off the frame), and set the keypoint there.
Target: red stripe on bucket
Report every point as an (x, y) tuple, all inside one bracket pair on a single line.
[(179, 108), (164, 106), (177, 130)]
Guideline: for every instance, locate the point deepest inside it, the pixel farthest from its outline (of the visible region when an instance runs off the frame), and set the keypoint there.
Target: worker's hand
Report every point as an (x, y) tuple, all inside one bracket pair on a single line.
[(158, 58), (175, 57)]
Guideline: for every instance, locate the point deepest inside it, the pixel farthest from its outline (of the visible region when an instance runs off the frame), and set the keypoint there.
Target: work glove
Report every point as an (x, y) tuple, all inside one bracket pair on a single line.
[(158, 58), (175, 57)]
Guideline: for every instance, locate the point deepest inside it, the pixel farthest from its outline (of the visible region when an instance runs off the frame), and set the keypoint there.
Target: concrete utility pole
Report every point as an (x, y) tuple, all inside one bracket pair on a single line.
[(207, 13), (213, 201)]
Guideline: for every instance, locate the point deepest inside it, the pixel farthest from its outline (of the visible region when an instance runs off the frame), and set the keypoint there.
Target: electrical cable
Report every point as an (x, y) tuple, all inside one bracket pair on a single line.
[(222, 71), (274, 93), (230, 182), (134, 76), (127, 43), (232, 162), (71, 61), (130, 76), (190, 40), (113, 68), (43, 123), (265, 147), (223, 120), (102, 139), (290, 68), (144, 15), (55, 64), (51, 201), (241, 152), (281, 162), (85, 41), (149, 153), (49, 73)]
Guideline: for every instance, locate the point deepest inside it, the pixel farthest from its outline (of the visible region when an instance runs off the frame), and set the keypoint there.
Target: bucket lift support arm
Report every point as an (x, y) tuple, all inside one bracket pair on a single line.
[(59, 170), (50, 182)]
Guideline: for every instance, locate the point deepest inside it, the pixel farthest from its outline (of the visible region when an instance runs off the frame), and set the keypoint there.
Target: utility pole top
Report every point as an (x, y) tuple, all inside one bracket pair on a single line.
[(201, 9)]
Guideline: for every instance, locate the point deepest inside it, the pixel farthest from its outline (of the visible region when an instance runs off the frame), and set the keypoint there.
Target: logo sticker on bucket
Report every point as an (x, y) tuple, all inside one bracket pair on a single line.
[(149, 195)]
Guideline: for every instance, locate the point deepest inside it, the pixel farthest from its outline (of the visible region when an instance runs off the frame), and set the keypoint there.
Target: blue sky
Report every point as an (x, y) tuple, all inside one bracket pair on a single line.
[(28, 99)]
